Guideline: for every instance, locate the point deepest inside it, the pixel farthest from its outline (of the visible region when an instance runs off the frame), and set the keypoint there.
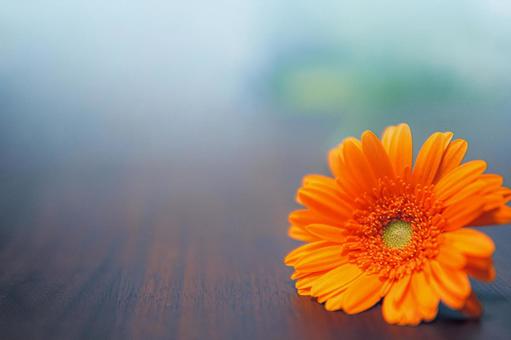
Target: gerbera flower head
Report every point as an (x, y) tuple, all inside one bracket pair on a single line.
[(382, 229)]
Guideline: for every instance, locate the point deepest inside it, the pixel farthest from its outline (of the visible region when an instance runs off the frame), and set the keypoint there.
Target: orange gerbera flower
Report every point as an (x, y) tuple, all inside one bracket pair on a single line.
[(382, 229)]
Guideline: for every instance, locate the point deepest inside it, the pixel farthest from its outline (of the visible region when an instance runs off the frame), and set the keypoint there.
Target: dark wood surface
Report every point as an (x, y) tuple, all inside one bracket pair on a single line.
[(181, 240)]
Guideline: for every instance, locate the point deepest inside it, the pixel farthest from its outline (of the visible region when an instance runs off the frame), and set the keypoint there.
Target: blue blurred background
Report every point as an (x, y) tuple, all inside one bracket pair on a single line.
[(110, 81)]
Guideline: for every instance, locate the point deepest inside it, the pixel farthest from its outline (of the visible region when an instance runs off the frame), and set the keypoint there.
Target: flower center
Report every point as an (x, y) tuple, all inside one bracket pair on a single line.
[(397, 234), (394, 229)]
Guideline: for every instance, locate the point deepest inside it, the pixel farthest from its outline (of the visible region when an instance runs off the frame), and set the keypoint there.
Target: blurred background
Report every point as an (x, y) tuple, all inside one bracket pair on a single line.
[(99, 80), (150, 151)]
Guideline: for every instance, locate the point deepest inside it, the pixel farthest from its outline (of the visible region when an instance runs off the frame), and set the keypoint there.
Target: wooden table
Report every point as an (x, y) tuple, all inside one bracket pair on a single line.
[(181, 238)]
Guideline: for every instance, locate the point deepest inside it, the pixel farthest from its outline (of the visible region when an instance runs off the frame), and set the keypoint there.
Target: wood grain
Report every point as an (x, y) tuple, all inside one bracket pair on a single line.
[(186, 243)]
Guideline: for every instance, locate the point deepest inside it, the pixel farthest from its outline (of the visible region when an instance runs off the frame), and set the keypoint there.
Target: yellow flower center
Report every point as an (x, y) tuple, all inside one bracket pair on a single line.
[(397, 234)]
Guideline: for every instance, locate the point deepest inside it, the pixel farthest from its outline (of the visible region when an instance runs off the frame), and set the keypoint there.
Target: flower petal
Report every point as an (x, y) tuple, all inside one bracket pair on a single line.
[(376, 155), (392, 302), (335, 302), (327, 232), (326, 184), (471, 242), (452, 286), (294, 256), (472, 190), (334, 161), (425, 296), (300, 234), (463, 212), (452, 157), (500, 215), (454, 280), (357, 166), (321, 259), (450, 256), (304, 217), (429, 157), (336, 278), (397, 141), (332, 294), (480, 268), (324, 203), (410, 314), (459, 178), (304, 292), (308, 280), (472, 307), (362, 294)]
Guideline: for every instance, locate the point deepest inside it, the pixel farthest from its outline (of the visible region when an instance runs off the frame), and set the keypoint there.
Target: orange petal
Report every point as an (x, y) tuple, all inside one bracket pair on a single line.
[(329, 186), (492, 200), (332, 294), (452, 157), (362, 294), (327, 232), (493, 182), (428, 314), (334, 161), (393, 300), (304, 292), (472, 190), (472, 307), (304, 217), (425, 296), (495, 195), (506, 193), (376, 155), (454, 280), (300, 234), (357, 166), (335, 279), (500, 215), (298, 275), (429, 157), (321, 259), (487, 274), (324, 203), (406, 311), (450, 256), (452, 286), (326, 184), (294, 256), (471, 242), (349, 185), (479, 262), (346, 182), (397, 141), (385, 287), (335, 302), (410, 314), (459, 178), (308, 280), (463, 212)]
